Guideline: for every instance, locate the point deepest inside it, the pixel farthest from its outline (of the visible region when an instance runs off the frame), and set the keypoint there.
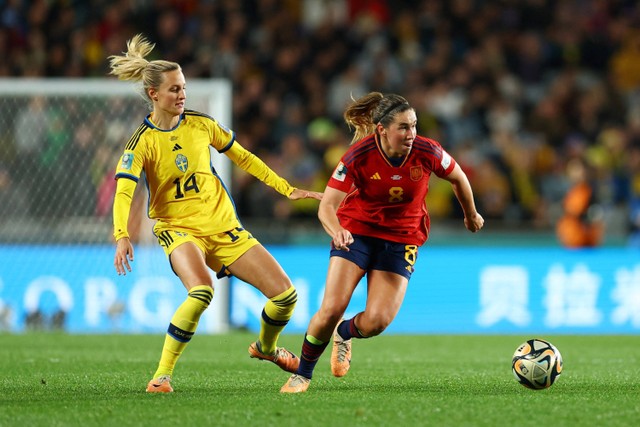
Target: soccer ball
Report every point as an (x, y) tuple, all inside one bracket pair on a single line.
[(536, 364)]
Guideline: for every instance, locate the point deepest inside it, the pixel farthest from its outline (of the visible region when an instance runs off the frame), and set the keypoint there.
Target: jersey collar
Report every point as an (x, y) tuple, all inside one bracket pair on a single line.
[(393, 162), (148, 122)]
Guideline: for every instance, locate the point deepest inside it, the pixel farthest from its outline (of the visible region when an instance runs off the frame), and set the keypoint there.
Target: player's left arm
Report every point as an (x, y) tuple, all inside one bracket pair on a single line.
[(252, 164), (462, 189)]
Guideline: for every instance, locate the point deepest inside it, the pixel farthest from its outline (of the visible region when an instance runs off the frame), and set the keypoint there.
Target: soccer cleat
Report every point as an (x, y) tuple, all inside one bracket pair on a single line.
[(161, 384), (340, 355), (296, 384), (282, 357)]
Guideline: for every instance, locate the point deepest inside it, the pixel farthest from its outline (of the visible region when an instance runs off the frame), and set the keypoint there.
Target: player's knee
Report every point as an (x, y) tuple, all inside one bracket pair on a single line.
[(196, 279), (275, 288), (374, 325), (201, 284), (375, 331), (330, 314)]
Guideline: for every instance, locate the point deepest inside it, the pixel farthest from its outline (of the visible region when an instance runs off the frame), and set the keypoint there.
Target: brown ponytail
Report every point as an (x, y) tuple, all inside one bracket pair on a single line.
[(367, 111)]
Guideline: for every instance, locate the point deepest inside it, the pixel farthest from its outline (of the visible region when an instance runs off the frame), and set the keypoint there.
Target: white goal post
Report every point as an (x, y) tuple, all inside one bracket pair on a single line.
[(59, 141)]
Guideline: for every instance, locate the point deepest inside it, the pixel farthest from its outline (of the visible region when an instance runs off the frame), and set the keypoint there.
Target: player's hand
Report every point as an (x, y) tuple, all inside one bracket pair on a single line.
[(299, 193), (342, 239), (124, 255), (474, 222)]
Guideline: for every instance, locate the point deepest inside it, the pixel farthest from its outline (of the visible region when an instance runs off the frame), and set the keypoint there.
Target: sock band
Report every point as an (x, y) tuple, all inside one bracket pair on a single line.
[(288, 297), (314, 340), (353, 329), (271, 321), (179, 334), (202, 293), (278, 310), (347, 329), (310, 355)]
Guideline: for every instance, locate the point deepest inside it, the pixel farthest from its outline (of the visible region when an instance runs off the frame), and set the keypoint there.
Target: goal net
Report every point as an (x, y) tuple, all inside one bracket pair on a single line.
[(60, 140)]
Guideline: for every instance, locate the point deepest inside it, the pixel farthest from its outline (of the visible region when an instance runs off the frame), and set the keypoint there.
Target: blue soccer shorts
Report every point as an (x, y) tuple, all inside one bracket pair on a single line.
[(371, 253)]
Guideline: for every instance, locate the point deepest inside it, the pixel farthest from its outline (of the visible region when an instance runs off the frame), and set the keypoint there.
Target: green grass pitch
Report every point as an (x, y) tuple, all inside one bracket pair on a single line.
[(395, 380)]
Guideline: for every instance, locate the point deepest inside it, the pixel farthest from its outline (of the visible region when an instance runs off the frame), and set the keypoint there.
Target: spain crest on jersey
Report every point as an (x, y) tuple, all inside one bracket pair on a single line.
[(182, 163), (416, 173)]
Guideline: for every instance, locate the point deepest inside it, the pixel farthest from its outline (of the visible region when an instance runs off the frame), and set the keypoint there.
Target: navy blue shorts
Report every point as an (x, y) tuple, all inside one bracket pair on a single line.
[(370, 253)]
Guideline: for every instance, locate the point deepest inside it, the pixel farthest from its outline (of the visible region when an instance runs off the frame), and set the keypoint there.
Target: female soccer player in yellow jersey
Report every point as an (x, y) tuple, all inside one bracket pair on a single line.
[(196, 222)]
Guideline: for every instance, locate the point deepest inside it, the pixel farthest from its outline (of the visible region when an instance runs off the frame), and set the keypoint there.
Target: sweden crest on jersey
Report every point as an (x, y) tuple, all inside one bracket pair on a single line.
[(182, 163)]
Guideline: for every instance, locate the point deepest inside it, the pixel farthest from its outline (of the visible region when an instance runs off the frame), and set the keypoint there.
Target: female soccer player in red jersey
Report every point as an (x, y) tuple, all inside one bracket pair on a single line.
[(196, 223), (374, 210)]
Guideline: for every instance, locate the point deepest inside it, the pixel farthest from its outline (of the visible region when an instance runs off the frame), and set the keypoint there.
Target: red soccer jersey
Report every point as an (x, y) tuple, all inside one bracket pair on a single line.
[(387, 201)]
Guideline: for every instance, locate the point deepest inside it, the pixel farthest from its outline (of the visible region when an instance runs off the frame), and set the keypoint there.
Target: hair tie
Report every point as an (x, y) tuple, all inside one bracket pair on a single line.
[(390, 109)]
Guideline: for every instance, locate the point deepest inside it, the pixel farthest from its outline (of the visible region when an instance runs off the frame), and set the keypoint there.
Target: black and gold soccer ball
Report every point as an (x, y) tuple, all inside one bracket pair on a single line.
[(536, 364)]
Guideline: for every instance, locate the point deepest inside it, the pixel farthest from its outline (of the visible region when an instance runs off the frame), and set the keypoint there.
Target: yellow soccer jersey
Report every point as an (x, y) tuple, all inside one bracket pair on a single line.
[(185, 193)]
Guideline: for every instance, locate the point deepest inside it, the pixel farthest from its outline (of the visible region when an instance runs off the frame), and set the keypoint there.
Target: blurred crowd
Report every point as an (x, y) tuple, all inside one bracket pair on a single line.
[(515, 90)]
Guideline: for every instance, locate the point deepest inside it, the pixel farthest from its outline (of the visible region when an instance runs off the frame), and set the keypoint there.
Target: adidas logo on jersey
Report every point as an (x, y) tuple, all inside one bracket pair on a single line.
[(375, 176), (176, 147)]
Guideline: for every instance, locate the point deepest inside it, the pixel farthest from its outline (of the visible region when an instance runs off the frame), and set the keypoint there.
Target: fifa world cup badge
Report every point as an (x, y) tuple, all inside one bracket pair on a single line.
[(340, 173), (446, 159), (127, 161)]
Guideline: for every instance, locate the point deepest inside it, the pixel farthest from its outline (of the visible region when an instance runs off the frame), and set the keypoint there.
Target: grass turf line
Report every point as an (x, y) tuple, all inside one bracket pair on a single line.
[(99, 380)]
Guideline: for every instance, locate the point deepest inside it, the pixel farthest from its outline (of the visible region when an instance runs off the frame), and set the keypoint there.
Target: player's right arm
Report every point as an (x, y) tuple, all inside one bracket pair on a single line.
[(128, 173), (121, 208), (328, 215)]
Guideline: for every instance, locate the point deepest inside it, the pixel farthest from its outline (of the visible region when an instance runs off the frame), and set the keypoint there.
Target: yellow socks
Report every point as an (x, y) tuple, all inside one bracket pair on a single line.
[(182, 327), (275, 316)]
